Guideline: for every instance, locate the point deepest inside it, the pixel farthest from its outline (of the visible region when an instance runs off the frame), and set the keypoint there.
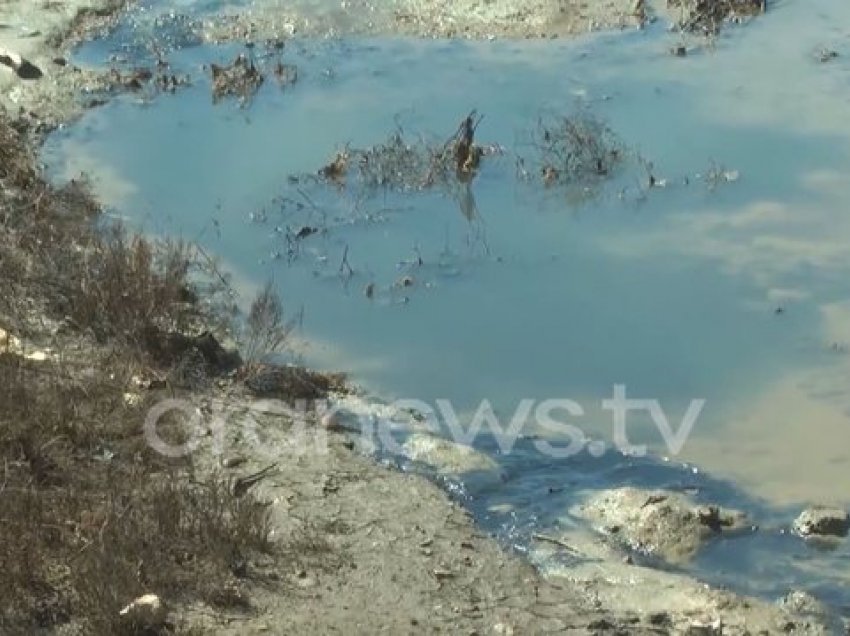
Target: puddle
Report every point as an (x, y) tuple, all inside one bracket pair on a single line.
[(730, 284)]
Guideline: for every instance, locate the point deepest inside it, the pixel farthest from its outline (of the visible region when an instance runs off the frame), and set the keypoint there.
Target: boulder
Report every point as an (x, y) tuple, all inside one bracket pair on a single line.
[(450, 459), (23, 67), (822, 521), (659, 523), (812, 613)]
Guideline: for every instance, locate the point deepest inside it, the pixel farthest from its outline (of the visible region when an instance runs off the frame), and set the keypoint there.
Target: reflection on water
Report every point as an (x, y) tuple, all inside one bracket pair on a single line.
[(730, 283)]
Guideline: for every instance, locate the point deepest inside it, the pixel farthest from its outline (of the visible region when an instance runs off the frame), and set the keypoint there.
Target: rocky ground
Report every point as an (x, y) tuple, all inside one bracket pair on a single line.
[(353, 546)]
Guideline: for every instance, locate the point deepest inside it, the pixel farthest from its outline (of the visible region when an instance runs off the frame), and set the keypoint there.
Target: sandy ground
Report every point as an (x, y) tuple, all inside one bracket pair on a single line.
[(39, 32), (399, 557), (43, 33), (382, 551), (427, 18)]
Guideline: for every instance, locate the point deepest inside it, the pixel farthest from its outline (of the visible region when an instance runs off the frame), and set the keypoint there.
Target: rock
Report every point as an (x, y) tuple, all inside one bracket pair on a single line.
[(825, 55), (822, 521), (667, 525), (233, 461), (8, 342), (144, 615), (811, 610), (23, 68), (454, 460), (799, 602), (132, 400)]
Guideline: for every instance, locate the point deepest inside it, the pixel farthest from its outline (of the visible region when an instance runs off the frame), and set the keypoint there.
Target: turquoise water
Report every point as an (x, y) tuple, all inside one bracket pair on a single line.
[(728, 284)]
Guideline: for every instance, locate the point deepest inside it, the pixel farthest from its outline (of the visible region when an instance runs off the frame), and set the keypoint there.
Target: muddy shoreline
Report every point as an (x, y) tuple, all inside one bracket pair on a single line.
[(384, 550)]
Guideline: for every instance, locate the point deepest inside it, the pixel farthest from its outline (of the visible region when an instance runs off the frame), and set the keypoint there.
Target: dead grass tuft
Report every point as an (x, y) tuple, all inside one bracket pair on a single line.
[(403, 164), (91, 520), (90, 517), (575, 149), (266, 327)]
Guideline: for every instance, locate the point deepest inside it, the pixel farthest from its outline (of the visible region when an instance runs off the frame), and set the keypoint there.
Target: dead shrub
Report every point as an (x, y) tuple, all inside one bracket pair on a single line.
[(402, 163), (576, 149), (127, 285), (266, 329)]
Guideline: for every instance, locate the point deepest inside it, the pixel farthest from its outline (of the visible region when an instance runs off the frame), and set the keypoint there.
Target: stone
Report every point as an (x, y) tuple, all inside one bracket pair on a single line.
[(822, 521), (454, 460), (146, 614), (811, 611), (664, 524), (23, 67)]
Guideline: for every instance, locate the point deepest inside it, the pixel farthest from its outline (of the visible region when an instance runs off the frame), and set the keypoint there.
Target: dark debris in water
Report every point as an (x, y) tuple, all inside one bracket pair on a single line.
[(285, 74), (571, 149), (138, 78), (240, 79), (403, 164), (243, 77)]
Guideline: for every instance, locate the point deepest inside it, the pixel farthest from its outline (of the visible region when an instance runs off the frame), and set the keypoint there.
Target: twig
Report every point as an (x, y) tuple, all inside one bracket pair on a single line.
[(557, 542), (345, 268), (213, 267), (243, 484)]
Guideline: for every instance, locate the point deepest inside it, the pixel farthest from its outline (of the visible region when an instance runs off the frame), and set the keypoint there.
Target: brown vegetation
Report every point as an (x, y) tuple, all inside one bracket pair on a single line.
[(707, 16), (576, 149), (405, 164), (90, 517)]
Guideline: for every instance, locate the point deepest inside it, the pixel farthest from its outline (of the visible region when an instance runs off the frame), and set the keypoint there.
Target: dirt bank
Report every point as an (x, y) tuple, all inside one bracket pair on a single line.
[(471, 18), (99, 328), (426, 18)]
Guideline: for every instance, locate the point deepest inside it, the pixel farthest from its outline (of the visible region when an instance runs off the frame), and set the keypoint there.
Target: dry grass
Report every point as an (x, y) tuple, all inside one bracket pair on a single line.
[(404, 163), (90, 517), (127, 285), (98, 280), (576, 149)]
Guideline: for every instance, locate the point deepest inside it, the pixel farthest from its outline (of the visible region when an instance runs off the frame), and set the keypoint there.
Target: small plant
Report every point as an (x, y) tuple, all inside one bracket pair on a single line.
[(573, 149), (403, 164), (266, 328)]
